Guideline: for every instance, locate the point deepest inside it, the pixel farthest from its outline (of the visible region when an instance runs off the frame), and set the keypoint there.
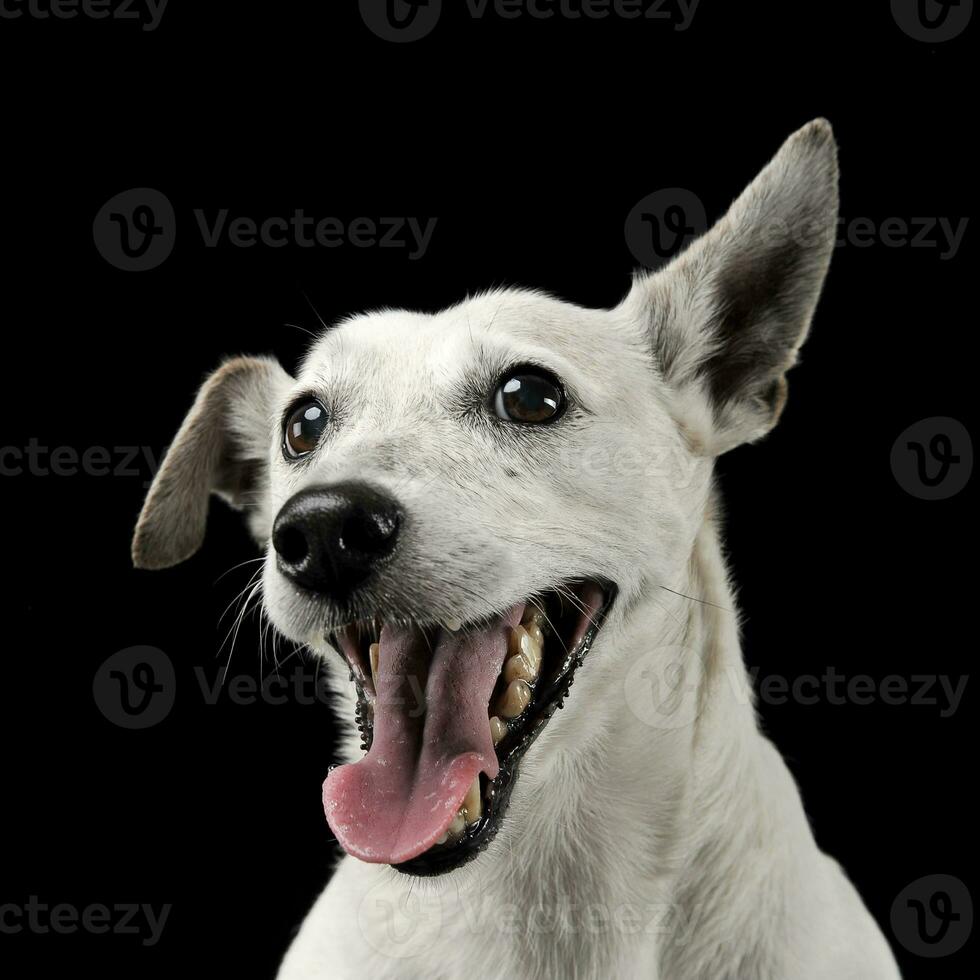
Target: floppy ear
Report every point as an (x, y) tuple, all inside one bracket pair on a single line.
[(727, 316), (222, 447)]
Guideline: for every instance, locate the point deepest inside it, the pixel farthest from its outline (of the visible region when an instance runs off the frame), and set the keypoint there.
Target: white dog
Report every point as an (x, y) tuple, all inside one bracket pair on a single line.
[(464, 511)]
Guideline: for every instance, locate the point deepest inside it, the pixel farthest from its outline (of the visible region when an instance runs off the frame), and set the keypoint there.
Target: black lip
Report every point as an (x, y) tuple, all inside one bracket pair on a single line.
[(497, 796)]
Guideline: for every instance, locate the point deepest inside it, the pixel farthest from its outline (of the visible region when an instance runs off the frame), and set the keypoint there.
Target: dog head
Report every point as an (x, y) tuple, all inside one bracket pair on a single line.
[(459, 501)]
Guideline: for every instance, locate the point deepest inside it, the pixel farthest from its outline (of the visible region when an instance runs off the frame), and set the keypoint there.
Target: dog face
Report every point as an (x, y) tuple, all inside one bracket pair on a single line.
[(500, 495), (459, 502)]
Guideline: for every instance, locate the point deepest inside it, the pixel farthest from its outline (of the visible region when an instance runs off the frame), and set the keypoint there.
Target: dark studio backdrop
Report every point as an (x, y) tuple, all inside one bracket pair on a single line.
[(534, 144)]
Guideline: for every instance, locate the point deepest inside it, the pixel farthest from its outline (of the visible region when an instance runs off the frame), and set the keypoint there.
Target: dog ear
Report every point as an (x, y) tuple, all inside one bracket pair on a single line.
[(222, 447), (728, 315)]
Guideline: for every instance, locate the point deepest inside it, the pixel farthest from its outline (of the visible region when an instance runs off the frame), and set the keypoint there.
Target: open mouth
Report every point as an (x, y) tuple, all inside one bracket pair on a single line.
[(446, 713)]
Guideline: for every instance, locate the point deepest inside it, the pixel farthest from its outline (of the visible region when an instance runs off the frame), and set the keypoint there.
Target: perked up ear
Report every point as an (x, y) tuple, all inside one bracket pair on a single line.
[(222, 447), (727, 316)]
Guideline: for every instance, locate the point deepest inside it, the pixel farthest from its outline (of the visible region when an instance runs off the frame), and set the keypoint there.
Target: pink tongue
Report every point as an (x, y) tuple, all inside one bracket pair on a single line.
[(431, 739)]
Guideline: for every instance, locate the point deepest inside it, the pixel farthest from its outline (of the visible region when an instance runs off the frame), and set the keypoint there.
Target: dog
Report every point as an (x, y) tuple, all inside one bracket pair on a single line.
[(463, 513)]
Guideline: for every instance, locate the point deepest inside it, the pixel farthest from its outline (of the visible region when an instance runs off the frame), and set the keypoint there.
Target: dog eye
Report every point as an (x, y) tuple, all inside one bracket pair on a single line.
[(304, 427), (528, 396)]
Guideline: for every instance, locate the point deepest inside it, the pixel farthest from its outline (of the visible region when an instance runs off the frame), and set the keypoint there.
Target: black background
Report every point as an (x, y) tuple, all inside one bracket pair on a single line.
[(530, 141)]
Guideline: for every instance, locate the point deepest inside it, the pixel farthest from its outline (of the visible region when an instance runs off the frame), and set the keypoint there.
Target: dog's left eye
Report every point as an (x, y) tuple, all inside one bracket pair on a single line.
[(529, 396), (304, 427)]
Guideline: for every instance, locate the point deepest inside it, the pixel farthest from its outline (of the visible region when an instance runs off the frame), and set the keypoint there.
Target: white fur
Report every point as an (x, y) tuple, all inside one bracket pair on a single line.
[(671, 847)]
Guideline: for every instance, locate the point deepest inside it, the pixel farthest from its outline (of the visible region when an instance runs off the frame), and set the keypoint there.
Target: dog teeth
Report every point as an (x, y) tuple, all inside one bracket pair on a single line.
[(498, 729), (521, 669), (522, 642), (374, 651), (535, 616), (472, 808), (469, 813), (534, 631), (455, 830), (514, 700), (453, 625), (525, 647), (522, 666)]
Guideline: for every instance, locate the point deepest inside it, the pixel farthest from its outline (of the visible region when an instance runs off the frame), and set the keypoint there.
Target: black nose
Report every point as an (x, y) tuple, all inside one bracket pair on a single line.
[(331, 538)]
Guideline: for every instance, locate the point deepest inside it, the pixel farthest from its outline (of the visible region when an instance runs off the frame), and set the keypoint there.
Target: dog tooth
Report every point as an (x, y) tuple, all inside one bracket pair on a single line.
[(534, 615), (514, 640), (498, 729), (456, 828), (442, 838), (534, 631), (522, 642), (521, 666), (473, 802), (453, 625), (527, 644), (374, 652), (515, 699)]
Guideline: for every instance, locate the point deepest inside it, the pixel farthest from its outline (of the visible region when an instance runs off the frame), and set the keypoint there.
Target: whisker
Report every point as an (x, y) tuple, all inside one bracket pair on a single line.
[(241, 564), (695, 599)]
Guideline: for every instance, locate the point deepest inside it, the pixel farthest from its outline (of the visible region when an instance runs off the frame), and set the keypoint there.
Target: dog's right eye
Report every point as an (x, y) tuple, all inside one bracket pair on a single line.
[(304, 426), (529, 396)]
